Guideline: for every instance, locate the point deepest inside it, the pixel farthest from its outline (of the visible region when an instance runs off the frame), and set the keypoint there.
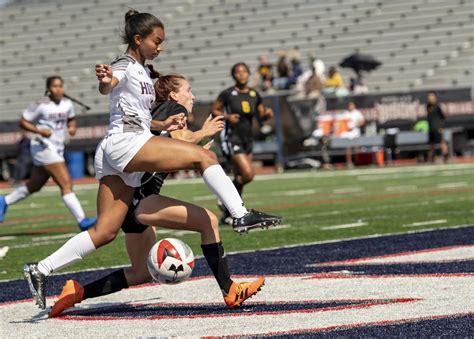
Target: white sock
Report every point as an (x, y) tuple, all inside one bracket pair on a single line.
[(221, 185), (71, 201), (19, 194), (73, 250)]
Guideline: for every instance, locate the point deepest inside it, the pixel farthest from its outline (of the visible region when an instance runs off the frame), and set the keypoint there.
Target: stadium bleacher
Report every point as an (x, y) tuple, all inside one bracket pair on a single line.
[(422, 44)]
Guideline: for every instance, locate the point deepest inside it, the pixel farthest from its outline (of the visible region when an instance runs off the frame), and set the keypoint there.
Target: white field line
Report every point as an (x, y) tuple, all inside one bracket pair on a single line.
[(452, 184), (54, 237), (298, 192), (455, 173), (400, 188), (424, 223), (344, 190), (372, 236), (336, 227), (210, 197), (275, 228), (7, 238)]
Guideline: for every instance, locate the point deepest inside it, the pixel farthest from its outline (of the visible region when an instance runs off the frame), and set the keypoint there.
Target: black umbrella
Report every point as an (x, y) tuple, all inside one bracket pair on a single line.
[(360, 62)]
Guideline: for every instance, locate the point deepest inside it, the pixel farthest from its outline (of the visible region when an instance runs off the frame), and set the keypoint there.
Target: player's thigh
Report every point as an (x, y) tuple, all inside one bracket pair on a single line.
[(58, 171), (138, 246), (171, 213), (161, 154), (38, 179), (113, 200)]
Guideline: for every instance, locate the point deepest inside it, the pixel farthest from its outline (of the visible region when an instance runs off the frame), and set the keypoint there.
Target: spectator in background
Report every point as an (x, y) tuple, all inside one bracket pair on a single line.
[(357, 85), (436, 120), (23, 163), (284, 74), (296, 71), (264, 75), (347, 125), (313, 86), (334, 83)]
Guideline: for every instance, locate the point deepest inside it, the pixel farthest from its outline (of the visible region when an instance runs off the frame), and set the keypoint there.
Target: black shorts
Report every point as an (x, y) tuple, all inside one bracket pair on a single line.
[(235, 143), (435, 137), (130, 224), (151, 184)]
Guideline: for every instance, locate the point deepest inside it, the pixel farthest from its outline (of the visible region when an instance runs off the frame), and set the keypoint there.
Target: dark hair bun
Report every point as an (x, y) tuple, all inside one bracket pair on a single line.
[(131, 12)]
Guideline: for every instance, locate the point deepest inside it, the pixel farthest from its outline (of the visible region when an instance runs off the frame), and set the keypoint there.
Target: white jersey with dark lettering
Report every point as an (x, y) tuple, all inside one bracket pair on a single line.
[(46, 114), (132, 99)]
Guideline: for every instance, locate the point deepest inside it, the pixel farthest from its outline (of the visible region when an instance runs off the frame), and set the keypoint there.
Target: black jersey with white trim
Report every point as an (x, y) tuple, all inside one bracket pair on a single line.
[(243, 103)]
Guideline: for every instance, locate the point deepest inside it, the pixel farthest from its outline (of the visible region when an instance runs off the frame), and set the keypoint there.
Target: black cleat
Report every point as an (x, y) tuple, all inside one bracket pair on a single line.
[(254, 219), (37, 283)]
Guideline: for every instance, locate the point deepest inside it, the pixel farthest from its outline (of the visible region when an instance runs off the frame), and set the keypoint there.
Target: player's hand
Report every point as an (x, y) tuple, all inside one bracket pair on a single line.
[(233, 118), (104, 73), (46, 133), (267, 113), (213, 125), (209, 144), (174, 122)]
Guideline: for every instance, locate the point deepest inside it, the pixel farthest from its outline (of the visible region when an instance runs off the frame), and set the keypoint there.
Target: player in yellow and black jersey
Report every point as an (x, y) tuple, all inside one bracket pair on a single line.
[(239, 104)]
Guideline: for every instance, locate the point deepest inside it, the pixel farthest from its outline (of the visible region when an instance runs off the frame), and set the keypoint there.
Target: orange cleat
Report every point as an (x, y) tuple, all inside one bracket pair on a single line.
[(70, 295), (239, 292)]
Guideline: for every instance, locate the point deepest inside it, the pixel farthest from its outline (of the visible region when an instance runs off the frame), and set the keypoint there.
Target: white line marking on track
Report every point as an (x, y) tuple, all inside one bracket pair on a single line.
[(452, 184), (424, 223), (336, 227)]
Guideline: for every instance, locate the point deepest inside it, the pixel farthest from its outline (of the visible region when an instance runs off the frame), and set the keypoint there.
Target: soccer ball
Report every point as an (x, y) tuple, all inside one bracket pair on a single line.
[(170, 261)]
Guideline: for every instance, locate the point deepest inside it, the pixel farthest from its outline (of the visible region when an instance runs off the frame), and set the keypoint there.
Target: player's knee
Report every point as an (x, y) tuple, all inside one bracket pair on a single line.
[(247, 176), (66, 187), (208, 158), (106, 237)]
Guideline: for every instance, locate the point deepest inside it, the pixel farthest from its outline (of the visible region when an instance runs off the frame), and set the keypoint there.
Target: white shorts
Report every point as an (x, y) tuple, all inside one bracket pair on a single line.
[(114, 153), (44, 152)]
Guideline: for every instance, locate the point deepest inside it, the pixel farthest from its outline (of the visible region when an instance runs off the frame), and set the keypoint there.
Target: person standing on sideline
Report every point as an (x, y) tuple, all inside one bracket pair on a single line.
[(348, 125), (436, 121), (238, 105), (130, 148), (49, 119)]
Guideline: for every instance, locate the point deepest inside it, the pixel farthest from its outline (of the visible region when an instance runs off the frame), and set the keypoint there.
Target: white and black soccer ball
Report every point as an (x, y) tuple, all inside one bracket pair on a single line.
[(170, 261)]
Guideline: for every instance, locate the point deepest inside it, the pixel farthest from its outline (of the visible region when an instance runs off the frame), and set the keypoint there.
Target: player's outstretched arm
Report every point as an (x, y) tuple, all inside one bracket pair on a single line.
[(107, 81)]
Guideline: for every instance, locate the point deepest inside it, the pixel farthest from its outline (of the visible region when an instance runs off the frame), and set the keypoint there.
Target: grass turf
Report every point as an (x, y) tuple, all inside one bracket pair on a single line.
[(316, 206)]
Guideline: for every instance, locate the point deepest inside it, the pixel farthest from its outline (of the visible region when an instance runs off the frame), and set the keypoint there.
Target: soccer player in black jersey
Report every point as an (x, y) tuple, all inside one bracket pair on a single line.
[(149, 207), (238, 105)]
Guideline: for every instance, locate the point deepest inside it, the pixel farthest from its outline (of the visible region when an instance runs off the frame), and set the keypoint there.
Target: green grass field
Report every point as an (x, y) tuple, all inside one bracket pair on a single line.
[(316, 206)]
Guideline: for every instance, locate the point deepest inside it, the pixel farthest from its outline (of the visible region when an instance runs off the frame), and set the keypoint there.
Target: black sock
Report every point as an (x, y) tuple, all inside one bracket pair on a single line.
[(111, 283), (215, 256), (238, 186)]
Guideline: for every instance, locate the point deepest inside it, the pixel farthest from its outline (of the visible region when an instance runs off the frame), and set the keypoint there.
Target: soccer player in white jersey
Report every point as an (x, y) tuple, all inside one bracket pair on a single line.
[(49, 119), (129, 149)]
